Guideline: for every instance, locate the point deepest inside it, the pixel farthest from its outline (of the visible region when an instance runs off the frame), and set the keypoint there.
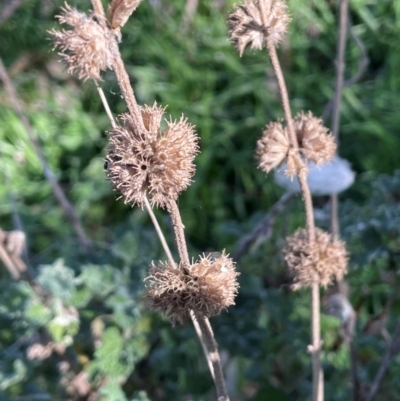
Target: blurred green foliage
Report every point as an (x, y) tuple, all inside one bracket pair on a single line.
[(93, 314)]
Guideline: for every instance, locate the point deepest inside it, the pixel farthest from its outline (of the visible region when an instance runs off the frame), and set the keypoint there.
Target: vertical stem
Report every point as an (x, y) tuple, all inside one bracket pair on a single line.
[(211, 345), (126, 88), (340, 67), (283, 91), (302, 177), (179, 233), (318, 379), (207, 334)]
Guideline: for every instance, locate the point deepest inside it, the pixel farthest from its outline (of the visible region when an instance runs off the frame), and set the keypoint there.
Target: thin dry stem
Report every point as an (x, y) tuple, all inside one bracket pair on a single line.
[(315, 316), (318, 378), (179, 233), (159, 232), (98, 8), (340, 68), (203, 322), (212, 348), (48, 173), (106, 106), (283, 91), (127, 91)]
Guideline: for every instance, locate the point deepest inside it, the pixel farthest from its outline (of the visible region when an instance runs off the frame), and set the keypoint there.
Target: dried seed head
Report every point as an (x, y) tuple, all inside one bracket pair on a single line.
[(87, 48), (208, 286), (153, 163), (255, 21), (315, 141), (320, 261), (273, 147), (120, 10)]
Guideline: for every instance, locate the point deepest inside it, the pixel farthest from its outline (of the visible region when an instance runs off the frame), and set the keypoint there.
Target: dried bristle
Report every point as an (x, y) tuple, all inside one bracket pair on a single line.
[(208, 286), (153, 163), (273, 147), (120, 11), (87, 48), (253, 22), (319, 262), (316, 143)]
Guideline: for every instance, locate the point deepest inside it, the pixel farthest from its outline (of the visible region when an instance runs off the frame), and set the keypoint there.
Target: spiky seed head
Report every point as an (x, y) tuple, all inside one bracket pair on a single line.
[(255, 21), (120, 11), (315, 142), (153, 163), (273, 147), (319, 261), (208, 286), (87, 49)]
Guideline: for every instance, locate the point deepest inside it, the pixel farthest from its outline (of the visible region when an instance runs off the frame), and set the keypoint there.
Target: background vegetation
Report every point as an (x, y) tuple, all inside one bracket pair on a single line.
[(127, 352)]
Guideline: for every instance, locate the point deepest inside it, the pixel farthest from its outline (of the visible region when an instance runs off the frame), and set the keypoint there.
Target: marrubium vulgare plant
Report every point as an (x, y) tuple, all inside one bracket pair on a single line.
[(313, 257), (150, 167)]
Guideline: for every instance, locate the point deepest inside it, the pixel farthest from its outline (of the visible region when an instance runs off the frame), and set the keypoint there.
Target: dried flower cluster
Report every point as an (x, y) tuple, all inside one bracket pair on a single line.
[(88, 47), (320, 261), (208, 286), (315, 145), (256, 21), (315, 142), (153, 163), (120, 10)]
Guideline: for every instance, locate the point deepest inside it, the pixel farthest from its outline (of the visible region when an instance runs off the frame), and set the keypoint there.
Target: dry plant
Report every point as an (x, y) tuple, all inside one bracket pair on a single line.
[(149, 167), (314, 258)]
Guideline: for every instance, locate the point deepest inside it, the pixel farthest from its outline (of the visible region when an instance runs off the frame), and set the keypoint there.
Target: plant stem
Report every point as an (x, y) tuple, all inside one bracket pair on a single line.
[(302, 177), (179, 233), (207, 334), (283, 91), (159, 232), (318, 379), (340, 67), (212, 349)]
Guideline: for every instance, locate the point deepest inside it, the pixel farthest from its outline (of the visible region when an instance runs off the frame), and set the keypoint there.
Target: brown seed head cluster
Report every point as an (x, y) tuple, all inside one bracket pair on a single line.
[(208, 286), (87, 48), (255, 21), (321, 261), (314, 141), (153, 163), (120, 11), (273, 147)]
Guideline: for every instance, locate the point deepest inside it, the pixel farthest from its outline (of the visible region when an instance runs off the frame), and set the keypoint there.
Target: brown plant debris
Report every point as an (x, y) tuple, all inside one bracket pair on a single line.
[(208, 286), (253, 22), (320, 261), (315, 143), (153, 163), (120, 11), (87, 49)]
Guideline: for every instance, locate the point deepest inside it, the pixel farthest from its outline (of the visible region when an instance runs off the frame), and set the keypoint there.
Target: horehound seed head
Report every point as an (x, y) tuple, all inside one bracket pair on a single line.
[(320, 261), (87, 49), (315, 144), (151, 163), (208, 286), (253, 22)]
